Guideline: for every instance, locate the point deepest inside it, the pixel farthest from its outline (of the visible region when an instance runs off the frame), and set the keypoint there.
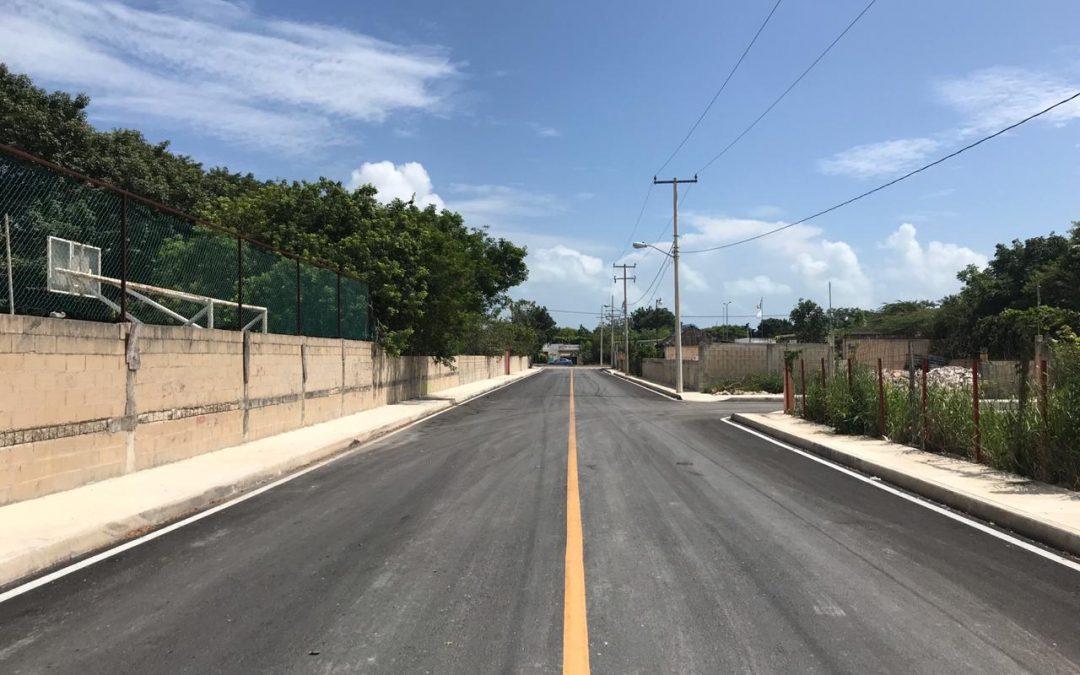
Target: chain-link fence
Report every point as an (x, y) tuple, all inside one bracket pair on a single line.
[(77, 248)]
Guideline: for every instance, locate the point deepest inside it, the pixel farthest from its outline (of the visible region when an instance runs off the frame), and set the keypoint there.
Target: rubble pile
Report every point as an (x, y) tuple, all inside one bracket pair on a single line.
[(945, 376)]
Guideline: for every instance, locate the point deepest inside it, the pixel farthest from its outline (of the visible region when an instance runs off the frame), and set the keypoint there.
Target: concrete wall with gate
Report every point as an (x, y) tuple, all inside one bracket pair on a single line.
[(83, 401)]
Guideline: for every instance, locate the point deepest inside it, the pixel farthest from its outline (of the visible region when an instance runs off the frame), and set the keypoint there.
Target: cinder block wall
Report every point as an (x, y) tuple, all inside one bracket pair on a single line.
[(83, 401), (662, 371), (893, 352), (734, 361)]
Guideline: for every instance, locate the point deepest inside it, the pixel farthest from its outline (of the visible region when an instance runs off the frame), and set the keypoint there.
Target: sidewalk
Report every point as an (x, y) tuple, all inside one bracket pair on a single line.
[(39, 533), (1042, 512), (694, 396)]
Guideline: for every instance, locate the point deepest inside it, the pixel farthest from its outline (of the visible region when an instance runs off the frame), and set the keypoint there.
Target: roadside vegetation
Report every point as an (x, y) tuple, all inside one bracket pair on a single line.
[(772, 383), (1022, 434)]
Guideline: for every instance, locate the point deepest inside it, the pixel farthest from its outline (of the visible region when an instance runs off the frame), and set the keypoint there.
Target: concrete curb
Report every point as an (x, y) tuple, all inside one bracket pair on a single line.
[(663, 391), (19, 569), (753, 398), (998, 514)]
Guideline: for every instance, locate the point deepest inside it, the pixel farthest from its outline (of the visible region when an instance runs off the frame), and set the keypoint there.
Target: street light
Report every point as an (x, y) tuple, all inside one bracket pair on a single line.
[(674, 255)]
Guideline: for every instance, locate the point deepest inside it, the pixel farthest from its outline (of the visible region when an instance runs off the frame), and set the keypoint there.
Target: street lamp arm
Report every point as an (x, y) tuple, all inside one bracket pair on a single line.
[(642, 244)]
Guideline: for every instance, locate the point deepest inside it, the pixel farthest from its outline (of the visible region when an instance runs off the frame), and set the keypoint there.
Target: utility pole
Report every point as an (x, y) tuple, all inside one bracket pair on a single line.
[(614, 353), (601, 336), (725, 304), (607, 313), (674, 182), (625, 316)]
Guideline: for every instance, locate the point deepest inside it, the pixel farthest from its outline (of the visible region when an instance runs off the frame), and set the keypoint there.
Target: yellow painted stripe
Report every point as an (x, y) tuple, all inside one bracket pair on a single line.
[(575, 622)]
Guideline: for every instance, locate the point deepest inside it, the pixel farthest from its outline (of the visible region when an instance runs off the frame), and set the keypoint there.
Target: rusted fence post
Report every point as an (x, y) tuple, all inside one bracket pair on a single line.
[(802, 378), (789, 395), (850, 376), (925, 425), (824, 398), (881, 399), (975, 409)]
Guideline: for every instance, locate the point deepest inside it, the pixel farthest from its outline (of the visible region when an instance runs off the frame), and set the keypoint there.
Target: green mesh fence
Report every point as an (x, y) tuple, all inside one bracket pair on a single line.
[(67, 261)]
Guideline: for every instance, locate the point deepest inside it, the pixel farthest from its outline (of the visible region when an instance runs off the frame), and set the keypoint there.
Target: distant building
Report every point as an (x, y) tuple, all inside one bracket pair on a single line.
[(556, 350), (692, 340)]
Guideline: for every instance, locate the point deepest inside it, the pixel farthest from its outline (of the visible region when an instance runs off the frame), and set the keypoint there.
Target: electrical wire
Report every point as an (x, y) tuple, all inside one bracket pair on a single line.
[(659, 273), (791, 86), (894, 181), (633, 231), (719, 91)]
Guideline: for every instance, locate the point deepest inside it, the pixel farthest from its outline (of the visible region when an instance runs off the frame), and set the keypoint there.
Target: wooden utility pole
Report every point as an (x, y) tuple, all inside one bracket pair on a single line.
[(625, 316), (674, 182)]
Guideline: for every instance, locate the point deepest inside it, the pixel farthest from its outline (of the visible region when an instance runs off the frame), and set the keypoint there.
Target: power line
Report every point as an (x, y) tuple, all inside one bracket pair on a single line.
[(637, 222), (650, 290), (719, 91), (895, 180), (791, 86)]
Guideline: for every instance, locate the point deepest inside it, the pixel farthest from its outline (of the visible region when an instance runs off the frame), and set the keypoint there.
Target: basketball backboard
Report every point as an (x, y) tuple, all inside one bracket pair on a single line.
[(70, 256)]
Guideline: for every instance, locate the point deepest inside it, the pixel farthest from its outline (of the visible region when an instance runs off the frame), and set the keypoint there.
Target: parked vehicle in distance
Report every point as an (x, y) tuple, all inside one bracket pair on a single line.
[(562, 361)]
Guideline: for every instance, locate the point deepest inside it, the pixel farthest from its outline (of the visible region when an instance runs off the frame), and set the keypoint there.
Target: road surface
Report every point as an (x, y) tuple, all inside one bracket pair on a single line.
[(444, 548)]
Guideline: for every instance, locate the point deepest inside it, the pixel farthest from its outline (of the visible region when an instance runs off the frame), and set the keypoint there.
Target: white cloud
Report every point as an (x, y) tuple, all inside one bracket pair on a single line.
[(996, 97), (988, 100), (880, 159), (495, 204), (547, 132), (402, 181), (219, 68), (758, 285), (916, 271), (567, 266)]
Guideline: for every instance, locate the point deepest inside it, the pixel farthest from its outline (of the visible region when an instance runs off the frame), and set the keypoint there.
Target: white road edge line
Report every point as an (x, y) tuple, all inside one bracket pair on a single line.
[(651, 391), (120, 548), (978, 525)]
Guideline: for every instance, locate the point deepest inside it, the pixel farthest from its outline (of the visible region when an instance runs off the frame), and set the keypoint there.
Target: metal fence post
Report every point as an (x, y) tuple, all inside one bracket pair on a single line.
[(123, 257), (10, 273), (339, 304), (881, 399), (298, 296), (850, 376), (240, 283), (975, 409)]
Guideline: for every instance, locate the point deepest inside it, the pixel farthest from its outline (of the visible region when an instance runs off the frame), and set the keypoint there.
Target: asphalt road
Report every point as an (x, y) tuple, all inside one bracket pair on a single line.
[(441, 549)]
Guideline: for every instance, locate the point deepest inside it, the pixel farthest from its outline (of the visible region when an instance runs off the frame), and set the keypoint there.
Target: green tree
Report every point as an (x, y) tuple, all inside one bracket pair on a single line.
[(808, 321), (537, 317), (648, 318)]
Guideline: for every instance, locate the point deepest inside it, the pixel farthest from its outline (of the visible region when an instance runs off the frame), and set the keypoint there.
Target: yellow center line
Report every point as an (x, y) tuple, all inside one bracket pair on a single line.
[(575, 621)]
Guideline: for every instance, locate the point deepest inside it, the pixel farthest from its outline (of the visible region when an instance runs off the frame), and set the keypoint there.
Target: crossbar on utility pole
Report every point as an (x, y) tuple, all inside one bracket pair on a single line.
[(674, 182), (625, 316)]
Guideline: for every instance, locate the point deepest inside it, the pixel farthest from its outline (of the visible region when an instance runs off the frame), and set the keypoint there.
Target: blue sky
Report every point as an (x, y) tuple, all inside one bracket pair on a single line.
[(545, 122)]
